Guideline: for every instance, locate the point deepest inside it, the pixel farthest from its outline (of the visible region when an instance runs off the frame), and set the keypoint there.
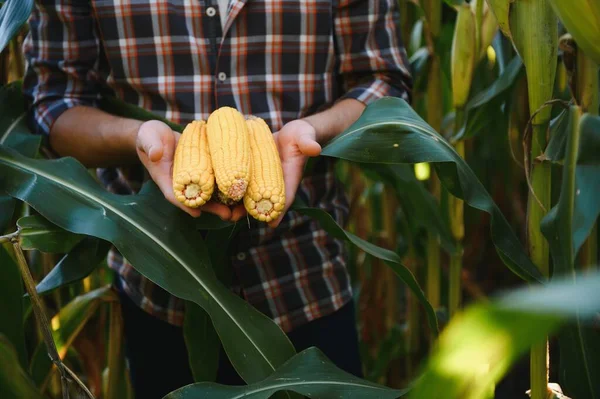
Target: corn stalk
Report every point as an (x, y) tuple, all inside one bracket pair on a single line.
[(435, 114), (534, 30), (465, 50)]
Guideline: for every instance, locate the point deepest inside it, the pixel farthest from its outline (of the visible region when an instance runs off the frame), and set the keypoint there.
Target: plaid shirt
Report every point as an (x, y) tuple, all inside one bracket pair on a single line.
[(277, 59)]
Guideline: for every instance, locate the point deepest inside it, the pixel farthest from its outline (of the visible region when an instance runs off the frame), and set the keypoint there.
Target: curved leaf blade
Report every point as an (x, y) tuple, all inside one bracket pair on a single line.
[(480, 344), (389, 257), (566, 227), (75, 266), (158, 239), (389, 131), (35, 232), (13, 14), (14, 381), (308, 373), (11, 305)]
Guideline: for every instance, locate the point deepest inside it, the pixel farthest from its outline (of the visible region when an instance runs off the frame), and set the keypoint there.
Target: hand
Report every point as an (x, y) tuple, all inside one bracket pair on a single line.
[(155, 146), (296, 141)]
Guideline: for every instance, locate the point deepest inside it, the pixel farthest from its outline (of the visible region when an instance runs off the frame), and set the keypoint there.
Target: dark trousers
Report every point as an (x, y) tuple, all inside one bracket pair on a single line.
[(158, 360)]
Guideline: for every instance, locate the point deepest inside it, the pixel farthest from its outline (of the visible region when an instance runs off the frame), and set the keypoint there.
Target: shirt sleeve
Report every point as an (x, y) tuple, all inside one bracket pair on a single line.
[(61, 51), (372, 58)]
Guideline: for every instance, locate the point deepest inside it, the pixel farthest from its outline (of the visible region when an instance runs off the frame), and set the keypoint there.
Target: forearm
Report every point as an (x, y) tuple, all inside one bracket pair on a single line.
[(94, 137), (333, 121)]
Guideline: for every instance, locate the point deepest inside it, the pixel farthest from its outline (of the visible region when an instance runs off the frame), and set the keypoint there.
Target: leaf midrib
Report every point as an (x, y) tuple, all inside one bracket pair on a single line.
[(301, 383), (149, 234)]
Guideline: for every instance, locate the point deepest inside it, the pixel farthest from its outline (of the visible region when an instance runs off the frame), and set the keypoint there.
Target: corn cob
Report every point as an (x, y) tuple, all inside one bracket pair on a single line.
[(229, 147), (265, 197), (193, 177), (463, 55)]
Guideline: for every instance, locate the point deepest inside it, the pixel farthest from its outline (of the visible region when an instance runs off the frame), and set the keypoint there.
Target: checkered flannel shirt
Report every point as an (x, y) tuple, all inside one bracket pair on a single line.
[(277, 59)]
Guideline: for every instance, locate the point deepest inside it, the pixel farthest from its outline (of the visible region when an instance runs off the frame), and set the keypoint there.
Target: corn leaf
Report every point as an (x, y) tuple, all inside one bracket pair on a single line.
[(158, 239), (309, 373), (484, 108), (12, 127), (501, 9), (14, 381), (566, 227), (582, 20), (389, 257), (35, 232), (75, 266), (13, 14), (422, 208), (66, 326), (390, 132), (479, 345), (116, 385), (11, 305)]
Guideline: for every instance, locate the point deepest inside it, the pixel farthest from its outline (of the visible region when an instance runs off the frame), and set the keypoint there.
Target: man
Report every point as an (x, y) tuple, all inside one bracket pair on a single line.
[(308, 67)]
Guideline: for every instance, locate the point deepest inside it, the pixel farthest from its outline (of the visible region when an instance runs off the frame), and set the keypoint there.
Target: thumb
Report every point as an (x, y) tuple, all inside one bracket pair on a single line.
[(308, 146), (150, 141)]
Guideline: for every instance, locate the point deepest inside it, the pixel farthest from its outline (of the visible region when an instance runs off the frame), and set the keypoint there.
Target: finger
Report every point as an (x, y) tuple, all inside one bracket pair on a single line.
[(238, 212), (220, 210), (150, 143), (308, 146)]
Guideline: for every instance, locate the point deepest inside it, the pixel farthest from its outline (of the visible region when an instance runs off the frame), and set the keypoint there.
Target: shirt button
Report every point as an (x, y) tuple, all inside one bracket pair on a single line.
[(222, 76), (211, 12), (241, 256)]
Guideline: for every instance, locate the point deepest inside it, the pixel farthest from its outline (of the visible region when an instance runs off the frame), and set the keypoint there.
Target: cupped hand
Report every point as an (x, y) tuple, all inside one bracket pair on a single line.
[(296, 142), (155, 146)]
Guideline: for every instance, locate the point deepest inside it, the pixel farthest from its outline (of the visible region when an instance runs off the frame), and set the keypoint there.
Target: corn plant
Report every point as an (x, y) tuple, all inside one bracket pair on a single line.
[(61, 337)]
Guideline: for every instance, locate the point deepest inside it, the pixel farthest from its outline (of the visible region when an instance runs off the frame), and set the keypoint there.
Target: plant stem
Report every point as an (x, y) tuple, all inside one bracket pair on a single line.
[(456, 215), (539, 251), (42, 321), (9, 237)]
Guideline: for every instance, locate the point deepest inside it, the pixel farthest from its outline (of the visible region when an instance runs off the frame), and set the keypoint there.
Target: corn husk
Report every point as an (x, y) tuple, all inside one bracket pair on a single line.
[(534, 28), (463, 55), (582, 20), (487, 27), (500, 8)]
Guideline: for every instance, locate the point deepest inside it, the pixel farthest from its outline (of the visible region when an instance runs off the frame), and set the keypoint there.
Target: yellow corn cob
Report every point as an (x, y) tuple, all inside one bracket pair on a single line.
[(193, 177), (229, 147), (265, 197)]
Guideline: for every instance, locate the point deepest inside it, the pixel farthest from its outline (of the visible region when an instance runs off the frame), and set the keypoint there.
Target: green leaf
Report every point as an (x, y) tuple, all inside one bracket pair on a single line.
[(582, 20), (35, 232), (202, 343), (14, 381), (421, 206), (116, 384), (76, 265), (309, 373), (390, 132), (12, 127), (159, 240), (71, 318), (566, 227), (454, 3), (13, 15), (479, 345), (11, 305), (555, 150), (7, 209), (501, 9), (390, 258), (67, 324), (488, 102)]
